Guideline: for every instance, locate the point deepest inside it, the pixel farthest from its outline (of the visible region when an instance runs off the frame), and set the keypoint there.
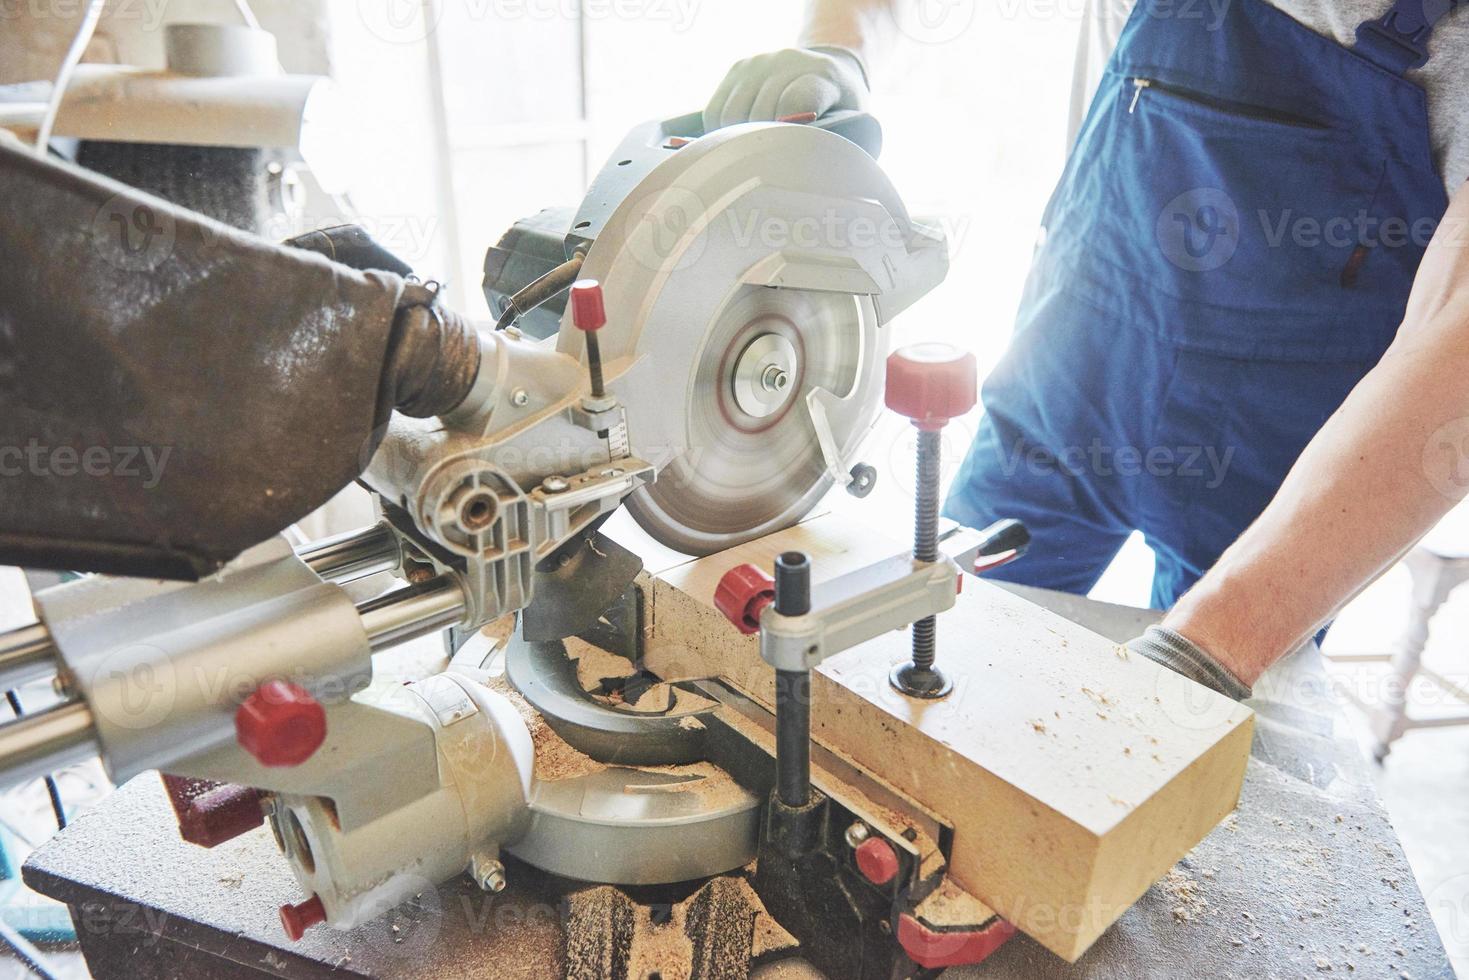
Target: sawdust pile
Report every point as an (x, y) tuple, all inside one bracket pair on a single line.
[(595, 666), (715, 787), (555, 759), (714, 934), (644, 694), (1189, 904)]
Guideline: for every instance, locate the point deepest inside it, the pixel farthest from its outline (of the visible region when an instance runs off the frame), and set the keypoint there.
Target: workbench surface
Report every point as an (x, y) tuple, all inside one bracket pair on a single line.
[(1306, 879)]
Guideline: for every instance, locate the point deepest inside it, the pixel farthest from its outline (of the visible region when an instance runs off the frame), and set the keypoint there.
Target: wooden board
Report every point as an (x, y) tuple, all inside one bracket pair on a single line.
[(1075, 773)]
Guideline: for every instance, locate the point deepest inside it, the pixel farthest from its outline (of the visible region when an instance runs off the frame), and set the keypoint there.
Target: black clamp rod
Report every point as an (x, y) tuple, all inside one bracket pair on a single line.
[(793, 689)]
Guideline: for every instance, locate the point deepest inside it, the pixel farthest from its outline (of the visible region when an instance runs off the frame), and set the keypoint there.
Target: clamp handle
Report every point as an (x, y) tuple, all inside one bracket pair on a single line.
[(587, 311), (931, 383), (742, 595), (588, 314)]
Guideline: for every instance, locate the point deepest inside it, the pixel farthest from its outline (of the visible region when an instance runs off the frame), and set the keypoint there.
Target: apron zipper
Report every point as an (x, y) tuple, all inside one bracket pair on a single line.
[(1138, 84)]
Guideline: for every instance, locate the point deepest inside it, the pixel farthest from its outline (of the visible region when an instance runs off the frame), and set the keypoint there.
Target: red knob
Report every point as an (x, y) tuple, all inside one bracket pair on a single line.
[(877, 861), (211, 813), (587, 312), (931, 383), (296, 919), (280, 724), (742, 595)]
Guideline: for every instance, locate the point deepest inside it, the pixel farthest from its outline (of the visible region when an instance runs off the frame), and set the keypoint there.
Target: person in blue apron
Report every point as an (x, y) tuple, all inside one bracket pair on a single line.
[(1228, 254)]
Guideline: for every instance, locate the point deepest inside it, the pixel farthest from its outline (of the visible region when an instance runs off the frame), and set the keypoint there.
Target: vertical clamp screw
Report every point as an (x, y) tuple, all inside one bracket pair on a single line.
[(931, 384)]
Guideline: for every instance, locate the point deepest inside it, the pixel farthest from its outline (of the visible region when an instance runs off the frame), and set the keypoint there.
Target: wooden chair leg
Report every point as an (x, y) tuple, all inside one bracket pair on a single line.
[(1434, 578)]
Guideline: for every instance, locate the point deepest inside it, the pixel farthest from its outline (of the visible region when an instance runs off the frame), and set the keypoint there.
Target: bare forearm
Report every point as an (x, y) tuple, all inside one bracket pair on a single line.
[(1381, 472), (862, 26)]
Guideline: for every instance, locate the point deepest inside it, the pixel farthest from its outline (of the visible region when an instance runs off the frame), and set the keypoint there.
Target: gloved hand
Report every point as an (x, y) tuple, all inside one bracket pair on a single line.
[(1182, 656), (783, 83)]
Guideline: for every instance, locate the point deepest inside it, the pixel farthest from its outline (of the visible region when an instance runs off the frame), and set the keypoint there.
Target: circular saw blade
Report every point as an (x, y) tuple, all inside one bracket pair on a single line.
[(739, 475)]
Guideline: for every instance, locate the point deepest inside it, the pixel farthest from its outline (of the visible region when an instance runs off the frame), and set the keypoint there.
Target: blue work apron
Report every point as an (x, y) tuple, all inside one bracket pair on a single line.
[(1229, 251)]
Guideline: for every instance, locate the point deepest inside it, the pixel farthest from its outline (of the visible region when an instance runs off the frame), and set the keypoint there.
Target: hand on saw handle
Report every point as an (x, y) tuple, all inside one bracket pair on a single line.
[(793, 82)]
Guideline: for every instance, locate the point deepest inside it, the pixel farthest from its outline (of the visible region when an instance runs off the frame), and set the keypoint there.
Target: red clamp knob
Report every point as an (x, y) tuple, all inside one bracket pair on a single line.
[(877, 860), (296, 919), (931, 383), (587, 311), (742, 595), (280, 724), (937, 949)]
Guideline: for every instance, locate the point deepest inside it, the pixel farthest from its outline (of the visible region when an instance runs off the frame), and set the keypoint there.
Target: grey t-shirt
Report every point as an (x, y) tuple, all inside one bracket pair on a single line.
[(1445, 77)]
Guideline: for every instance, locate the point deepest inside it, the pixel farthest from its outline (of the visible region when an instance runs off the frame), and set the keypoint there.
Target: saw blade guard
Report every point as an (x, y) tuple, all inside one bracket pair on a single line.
[(749, 280)]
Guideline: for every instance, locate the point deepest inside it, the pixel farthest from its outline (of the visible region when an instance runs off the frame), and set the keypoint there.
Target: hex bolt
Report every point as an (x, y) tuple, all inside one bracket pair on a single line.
[(856, 834), (475, 508), (930, 384), (491, 877), (519, 398), (555, 484)]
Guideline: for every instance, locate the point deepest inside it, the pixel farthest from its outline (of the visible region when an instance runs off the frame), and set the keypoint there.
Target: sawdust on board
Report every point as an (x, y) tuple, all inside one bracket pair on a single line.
[(951, 905), (555, 759)]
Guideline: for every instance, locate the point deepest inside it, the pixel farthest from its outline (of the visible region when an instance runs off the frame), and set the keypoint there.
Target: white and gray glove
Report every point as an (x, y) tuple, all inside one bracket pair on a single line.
[(785, 83), (1181, 655)]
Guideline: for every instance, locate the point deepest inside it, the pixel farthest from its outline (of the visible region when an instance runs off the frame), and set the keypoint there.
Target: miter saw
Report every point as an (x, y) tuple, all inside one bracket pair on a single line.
[(719, 360)]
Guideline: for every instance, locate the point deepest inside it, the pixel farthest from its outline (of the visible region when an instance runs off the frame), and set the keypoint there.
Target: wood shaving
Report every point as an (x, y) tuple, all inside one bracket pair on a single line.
[(555, 759)]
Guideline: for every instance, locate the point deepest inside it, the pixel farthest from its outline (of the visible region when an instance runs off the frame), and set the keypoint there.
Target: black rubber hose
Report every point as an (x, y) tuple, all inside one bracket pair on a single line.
[(537, 292)]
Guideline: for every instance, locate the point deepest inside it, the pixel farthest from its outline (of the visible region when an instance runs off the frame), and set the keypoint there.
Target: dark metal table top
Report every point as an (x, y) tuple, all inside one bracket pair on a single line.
[(1306, 879)]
